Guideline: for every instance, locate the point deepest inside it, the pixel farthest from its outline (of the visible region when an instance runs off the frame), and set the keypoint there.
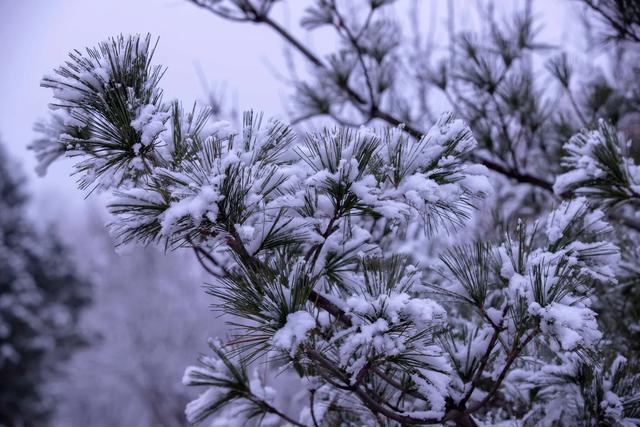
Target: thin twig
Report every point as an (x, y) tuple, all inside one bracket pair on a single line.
[(483, 364), (367, 400), (622, 30), (312, 394), (374, 111), (271, 409), (513, 355)]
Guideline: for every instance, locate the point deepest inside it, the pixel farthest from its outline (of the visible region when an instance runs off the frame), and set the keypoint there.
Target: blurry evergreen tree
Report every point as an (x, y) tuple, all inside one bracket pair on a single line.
[(41, 298)]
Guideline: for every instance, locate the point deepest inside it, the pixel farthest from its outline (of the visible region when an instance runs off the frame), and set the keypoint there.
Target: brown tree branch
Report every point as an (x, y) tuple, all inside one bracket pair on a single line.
[(513, 355), (361, 104), (373, 405), (483, 364)]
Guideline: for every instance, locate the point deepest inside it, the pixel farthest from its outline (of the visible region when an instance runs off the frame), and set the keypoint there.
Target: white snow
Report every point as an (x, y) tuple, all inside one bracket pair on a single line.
[(294, 332)]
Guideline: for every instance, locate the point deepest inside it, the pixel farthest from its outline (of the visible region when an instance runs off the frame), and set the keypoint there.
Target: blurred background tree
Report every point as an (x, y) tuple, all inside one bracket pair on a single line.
[(149, 317), (42, 295)]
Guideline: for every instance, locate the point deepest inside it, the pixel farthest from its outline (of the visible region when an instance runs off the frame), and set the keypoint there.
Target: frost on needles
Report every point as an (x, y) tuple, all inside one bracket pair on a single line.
[(600, 167), (301, 233)]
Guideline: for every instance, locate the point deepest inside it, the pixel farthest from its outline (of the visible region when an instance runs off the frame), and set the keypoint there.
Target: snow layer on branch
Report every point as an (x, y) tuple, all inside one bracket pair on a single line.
[(583, 159), (599, 167), (294, 332), (562, 219), (197, 407), (150, 123), (73, 88), (195, 207), (572, 326), (556, 277), (417, 178), (278, 186), (397, 177), (399, 306), (231, 394), (260, 390), (110, 108), (593, 391), (390, 325), (211, 366)]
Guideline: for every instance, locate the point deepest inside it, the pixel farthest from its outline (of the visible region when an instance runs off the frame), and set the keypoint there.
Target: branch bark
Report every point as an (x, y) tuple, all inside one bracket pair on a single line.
[(361, 104), (513, 355)]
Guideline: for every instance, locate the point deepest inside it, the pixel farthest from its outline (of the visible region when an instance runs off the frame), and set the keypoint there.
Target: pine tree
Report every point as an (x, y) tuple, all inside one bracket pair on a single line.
[(41, 298), (317, 240)]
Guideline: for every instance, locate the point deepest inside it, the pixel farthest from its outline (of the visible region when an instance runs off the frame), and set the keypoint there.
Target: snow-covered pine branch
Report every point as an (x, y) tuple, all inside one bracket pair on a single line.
[(107, 109), (312, 274), (600, 168)]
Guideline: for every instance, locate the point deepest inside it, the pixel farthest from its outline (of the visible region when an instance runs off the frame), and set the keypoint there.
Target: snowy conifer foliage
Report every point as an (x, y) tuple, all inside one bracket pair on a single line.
[(305, 235)]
